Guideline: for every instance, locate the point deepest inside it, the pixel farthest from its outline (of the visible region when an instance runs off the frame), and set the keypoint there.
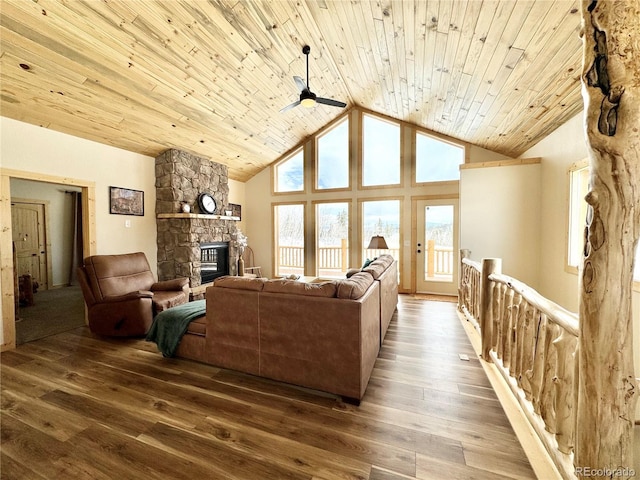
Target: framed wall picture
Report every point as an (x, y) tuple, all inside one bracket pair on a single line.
[(124, 201), (236, 210)]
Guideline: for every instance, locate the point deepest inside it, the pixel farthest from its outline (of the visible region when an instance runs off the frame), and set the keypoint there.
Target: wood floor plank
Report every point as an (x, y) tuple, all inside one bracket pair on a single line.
[(104, 408)]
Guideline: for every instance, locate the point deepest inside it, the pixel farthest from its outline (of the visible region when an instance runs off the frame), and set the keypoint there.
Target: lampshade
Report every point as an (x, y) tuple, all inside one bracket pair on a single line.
[(377, 243)]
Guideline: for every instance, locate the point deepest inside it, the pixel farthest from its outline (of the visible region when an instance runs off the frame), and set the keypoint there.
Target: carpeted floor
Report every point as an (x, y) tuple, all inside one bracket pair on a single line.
[(54, 311)]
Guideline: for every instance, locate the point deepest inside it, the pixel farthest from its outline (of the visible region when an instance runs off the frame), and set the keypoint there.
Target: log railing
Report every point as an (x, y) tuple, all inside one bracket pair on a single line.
[(533, 342)]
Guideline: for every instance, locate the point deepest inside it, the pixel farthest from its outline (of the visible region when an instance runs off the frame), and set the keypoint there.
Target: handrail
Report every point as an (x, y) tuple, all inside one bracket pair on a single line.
[(532, 342), (557, 314)]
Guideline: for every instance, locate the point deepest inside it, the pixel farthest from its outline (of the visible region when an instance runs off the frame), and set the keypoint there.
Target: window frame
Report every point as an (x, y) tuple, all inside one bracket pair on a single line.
[(573, 169), (285, 158), (401, 152), (414, 157), (314, 154), (361, 240), (314, 215), (274, 235)]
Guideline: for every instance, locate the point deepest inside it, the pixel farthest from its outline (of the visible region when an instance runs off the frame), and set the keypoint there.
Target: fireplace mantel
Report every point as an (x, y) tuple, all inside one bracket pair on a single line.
[(197, 215)]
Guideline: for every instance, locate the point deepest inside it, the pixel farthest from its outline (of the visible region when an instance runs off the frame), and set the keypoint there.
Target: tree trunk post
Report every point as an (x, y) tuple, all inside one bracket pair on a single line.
[(607, 390), (489, 266)]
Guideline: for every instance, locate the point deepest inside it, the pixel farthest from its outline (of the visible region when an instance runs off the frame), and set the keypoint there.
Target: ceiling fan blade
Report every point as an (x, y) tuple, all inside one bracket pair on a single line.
[(289, 107), (329, 101), (300, 83)]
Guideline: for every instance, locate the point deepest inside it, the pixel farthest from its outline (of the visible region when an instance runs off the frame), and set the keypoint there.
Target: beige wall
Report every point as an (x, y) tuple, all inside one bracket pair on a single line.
[(29, 148), (500, 217), (559, 150)]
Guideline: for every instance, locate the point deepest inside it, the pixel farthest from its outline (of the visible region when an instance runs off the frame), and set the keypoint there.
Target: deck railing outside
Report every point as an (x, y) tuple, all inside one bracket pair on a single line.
[(332, 260), (533, 342)]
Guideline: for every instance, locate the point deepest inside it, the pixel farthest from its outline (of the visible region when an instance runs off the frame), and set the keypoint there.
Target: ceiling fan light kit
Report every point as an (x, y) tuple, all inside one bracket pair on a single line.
[(308, 99)]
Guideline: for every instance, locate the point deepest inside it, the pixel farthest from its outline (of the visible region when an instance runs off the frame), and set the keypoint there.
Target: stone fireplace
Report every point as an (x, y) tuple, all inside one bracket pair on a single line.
[(180, 178)]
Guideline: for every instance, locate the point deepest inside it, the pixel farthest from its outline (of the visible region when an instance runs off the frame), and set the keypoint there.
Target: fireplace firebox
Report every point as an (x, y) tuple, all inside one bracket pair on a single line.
[(214, 261)]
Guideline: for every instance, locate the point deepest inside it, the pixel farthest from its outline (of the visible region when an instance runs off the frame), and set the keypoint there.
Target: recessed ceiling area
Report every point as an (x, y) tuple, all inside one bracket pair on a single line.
[(212, 77)]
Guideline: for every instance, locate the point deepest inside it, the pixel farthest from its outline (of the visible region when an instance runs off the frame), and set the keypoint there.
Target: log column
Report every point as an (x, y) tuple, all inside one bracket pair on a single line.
[(611, 90), (489, 266)]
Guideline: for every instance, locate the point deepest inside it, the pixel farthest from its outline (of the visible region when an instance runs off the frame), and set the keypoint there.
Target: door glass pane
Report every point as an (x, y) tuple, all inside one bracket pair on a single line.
[(438, 243), (381, 218), (333, 157), (289, 244), (332, 231)]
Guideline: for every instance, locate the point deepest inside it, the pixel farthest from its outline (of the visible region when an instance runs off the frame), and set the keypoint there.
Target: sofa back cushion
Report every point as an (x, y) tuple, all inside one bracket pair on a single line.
[(113, 275), (379, 265), (240, 283), (322, 289), (355, 286)]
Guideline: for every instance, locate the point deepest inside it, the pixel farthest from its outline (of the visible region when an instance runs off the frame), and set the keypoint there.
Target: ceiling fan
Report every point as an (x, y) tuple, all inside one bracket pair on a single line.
[(309, 99)]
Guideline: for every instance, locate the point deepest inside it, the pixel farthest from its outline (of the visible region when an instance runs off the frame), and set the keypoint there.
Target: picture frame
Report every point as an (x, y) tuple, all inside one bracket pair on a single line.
[(236, 210), (125, 201)]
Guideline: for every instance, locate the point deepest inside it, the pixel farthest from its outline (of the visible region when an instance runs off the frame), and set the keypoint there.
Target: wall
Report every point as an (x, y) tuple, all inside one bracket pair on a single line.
[(30, 148), (559, 150), (500, 217), (60, 222)]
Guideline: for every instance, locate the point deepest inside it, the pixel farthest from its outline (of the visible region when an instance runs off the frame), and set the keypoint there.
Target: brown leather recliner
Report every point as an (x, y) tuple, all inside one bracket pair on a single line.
[(122, 295)]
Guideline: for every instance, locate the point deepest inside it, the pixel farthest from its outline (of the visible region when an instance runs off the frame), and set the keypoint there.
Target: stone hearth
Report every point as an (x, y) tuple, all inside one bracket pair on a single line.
[(180, 178)]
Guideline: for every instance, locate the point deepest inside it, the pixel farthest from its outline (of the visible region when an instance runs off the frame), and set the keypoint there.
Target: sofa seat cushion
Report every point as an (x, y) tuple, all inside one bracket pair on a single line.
[(322, 289), (355, 286), (165, 299), (241, 283), (198, 326)]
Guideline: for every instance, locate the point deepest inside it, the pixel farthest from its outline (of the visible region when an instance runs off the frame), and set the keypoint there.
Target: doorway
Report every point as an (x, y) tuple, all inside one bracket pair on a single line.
[(436, 252), (10, 303)]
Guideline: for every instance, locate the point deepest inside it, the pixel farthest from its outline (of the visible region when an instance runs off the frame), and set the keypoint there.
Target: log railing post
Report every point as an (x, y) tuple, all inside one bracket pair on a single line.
[(489, 267), (607, 391)]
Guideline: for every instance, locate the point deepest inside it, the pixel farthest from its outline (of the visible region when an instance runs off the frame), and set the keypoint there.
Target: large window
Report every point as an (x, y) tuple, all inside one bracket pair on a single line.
[(289, 239), (436, 160), (332, 238), (332, 158), (381, 217), (289, 173), (380, 152)]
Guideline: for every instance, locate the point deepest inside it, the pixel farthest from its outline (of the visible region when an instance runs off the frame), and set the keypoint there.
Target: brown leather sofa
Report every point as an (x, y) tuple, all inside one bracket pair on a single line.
[(384, 270), (324, 336), (122, 295)]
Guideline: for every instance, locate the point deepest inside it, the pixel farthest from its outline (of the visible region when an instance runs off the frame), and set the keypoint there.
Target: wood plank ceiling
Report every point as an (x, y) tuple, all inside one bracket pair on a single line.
[(211, 76)]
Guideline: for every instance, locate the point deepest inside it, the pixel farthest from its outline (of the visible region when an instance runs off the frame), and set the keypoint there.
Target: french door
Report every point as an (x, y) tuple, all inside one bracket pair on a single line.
[(436, 246)]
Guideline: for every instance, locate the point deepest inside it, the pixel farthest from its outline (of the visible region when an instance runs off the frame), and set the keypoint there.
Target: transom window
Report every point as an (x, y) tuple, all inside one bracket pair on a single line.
[(436, 160), (332, 159), (380, 152)]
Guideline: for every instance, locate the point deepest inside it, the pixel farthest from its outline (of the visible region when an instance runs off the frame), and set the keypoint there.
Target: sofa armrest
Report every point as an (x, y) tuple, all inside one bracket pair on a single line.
[(128, 296), (175, 284)]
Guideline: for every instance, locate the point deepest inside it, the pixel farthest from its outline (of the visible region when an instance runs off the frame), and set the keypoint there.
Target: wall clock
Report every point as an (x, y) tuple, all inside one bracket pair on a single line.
[(206, 203)]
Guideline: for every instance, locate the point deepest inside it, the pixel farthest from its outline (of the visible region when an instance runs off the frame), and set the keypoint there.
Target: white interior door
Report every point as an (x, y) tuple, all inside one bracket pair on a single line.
[(437, 246)]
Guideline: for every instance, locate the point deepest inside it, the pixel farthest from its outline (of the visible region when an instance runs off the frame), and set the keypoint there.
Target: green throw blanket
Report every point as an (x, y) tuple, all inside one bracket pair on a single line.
[(169, 326)]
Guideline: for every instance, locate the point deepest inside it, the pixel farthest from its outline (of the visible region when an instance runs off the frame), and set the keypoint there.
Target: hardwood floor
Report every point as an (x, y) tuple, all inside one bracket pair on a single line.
[(78, 406)]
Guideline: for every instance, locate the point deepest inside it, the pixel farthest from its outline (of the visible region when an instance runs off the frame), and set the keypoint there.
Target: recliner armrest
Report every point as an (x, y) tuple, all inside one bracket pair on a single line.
[(128, 296), (175, 284)]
